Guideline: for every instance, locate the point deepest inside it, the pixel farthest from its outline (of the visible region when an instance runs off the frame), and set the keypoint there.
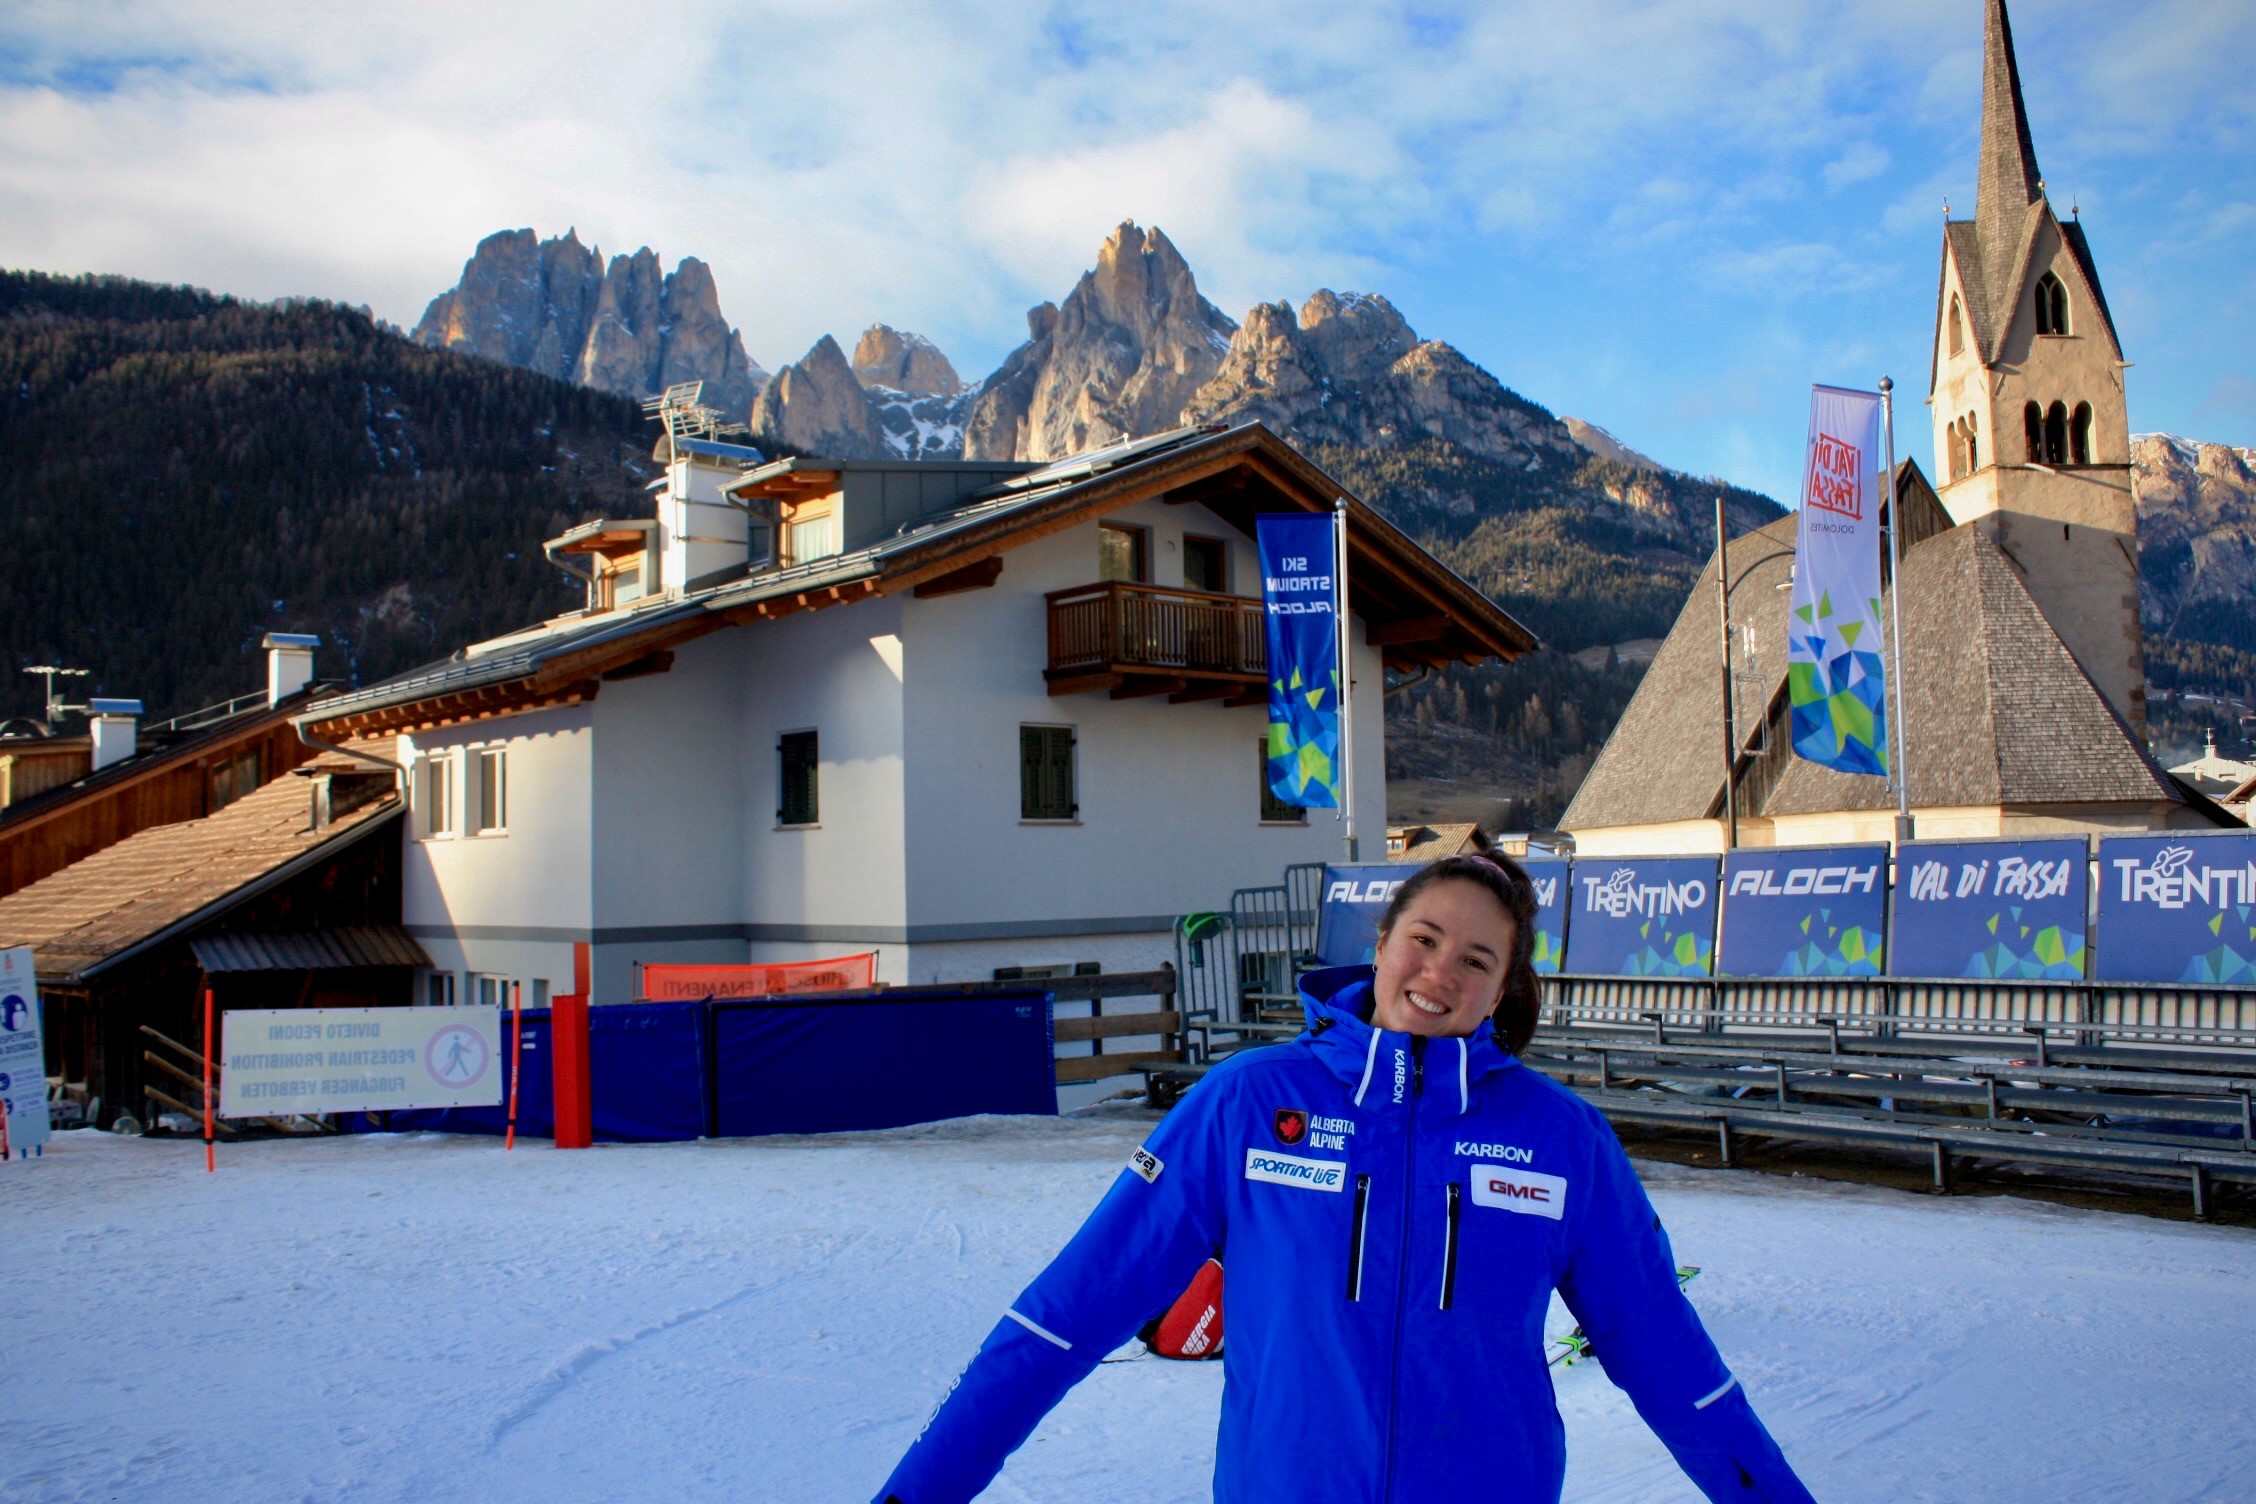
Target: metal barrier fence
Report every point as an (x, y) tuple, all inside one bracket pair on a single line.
[(1885, 1007)]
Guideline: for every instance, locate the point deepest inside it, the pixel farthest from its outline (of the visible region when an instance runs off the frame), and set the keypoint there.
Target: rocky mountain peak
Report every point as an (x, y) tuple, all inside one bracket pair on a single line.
[(909, 363), (816, 405), (1118, 358), (554, 307), (2197, 535)]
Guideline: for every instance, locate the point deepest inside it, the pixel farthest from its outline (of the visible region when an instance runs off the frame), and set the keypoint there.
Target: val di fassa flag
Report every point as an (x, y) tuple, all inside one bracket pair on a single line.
[(1299, 605), (1833, 671)]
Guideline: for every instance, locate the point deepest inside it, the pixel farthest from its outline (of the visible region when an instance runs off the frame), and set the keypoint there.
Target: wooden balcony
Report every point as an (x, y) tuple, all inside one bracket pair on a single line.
[(1142, 640)]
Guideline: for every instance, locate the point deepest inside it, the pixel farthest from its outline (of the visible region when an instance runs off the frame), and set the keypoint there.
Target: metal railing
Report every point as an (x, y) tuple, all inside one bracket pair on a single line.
[(1119, 625), (210, 715)]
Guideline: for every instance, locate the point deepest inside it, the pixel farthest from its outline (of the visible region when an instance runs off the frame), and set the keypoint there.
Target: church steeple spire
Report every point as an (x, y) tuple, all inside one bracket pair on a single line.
[(2009, 182)]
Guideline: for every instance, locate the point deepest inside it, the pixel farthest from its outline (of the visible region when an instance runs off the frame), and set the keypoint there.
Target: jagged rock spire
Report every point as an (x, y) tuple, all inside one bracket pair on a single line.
[(2009, 182)]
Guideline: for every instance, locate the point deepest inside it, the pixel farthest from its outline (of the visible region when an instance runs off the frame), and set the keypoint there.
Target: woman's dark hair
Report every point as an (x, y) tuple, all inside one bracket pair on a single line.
[(1522, 1000)]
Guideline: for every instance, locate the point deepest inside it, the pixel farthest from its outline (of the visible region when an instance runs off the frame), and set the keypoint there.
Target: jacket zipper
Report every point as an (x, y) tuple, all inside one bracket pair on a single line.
[(1449, 1251), (1355, 1245), (1402, 1259)]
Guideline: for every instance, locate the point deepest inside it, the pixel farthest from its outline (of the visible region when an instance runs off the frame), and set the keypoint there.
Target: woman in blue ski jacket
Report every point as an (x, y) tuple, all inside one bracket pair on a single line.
[(1395, 1198)]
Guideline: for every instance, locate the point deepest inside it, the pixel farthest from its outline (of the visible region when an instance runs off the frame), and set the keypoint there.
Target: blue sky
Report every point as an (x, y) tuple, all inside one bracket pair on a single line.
[(1667, 217)]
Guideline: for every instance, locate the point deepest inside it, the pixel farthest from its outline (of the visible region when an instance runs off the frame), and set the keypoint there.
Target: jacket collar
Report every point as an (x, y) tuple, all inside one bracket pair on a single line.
[(1337, 1003)]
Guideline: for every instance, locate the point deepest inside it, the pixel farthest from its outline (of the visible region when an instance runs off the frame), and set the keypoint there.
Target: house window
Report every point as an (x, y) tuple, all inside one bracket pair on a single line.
[(1274, 811), (434, 795), (489, 791), (1045, 773), (2079, 435), (438, 989), (2052, 305), (808, 537), (1206, 565), (1957, 328), (1973, 445), (233, 777), (489, 991), (539, 999), (796, 755), (1123, 553)]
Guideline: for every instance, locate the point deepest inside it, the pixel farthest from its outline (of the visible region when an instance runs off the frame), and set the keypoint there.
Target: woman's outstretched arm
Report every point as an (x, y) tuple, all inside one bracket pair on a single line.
[(1621, 1284), (1159, 1222)]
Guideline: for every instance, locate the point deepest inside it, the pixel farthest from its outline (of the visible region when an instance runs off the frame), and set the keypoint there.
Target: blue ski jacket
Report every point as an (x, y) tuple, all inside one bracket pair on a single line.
[(1394, 1213)]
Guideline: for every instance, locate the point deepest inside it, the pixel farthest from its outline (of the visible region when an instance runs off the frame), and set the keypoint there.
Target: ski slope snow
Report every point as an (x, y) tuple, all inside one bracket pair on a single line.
[(424, 1319)]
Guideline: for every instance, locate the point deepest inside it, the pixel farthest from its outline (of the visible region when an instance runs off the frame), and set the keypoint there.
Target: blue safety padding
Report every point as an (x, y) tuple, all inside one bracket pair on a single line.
[(908, 1057), (646, 1069)]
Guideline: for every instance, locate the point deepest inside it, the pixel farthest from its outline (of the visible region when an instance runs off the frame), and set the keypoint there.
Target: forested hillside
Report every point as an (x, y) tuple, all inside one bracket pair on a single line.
[(182, 473)]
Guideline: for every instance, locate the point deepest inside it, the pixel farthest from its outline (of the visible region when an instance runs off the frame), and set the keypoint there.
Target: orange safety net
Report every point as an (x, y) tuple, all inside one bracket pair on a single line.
[(661, 984)]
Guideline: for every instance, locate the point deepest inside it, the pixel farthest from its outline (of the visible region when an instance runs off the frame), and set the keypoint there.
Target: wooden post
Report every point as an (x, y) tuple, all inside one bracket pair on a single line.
[(211, 1157), (516, 1057)]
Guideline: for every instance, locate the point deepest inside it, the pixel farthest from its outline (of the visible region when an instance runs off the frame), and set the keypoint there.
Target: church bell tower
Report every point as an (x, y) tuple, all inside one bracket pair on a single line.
[(2032, 437)]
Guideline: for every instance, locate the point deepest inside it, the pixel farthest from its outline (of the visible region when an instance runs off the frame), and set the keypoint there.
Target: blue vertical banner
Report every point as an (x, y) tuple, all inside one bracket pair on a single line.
[(2178, 908), (1991, 909), (1299, 605), (1834, 675), (1812, 911), (1643, 916), (1551, 876)]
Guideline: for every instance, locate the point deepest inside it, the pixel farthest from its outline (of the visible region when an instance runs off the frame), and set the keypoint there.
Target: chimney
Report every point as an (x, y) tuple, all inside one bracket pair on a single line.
[(289, 664), (113, 723)]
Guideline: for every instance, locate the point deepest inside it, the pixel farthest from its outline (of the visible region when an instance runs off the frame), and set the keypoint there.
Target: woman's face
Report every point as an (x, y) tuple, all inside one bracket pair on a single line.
[(1441, 968)]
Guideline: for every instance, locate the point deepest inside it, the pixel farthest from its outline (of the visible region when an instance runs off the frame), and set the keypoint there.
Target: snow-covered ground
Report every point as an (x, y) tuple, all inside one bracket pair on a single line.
[(426, 1319)]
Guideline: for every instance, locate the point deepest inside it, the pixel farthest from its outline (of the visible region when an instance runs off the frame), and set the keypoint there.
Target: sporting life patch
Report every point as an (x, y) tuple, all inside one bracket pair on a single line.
[(1291, 1169)]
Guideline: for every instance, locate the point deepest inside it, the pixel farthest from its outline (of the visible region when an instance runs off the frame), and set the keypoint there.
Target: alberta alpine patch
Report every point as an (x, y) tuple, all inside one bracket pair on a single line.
[(1145, 1165), (1291, 1126), (1292, 1169), (1520, 1191)]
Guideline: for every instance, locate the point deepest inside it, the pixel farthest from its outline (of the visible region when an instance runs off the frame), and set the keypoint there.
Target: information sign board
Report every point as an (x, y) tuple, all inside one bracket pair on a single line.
[(1807, 911), (23, 1059), (1347, 925), (295, 1060), (1643, 916), (2175, 908), (1991, 909), (1551, 877)]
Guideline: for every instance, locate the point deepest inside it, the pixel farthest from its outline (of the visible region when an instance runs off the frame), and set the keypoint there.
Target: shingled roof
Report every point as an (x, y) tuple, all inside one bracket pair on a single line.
[(1999, 711), (117, 902)]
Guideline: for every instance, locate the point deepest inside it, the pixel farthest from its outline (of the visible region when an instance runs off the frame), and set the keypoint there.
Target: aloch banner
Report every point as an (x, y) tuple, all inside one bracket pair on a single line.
[(1298, 601), (1804, 911), (1991, 909), (1833, 668)]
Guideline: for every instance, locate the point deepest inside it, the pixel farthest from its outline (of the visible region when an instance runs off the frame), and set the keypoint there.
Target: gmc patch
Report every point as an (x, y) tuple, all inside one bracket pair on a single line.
[(1520, 1191)]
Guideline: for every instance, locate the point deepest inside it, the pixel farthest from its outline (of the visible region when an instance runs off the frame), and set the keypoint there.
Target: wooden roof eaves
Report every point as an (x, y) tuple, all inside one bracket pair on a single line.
[(171, 759)]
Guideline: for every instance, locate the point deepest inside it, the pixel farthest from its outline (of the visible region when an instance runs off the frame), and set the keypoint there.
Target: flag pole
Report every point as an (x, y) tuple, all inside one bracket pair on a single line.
[(1346, 665), (1897, 762), (1730, 723)]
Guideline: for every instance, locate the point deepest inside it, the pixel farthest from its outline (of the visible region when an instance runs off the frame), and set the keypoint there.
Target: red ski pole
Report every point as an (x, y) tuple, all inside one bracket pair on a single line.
[(4, 1154), (516, 1056), (211, 1160)]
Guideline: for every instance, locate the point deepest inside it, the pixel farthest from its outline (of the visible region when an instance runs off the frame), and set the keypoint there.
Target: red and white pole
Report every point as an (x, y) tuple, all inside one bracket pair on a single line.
[(211, 1159), (516, 1056)]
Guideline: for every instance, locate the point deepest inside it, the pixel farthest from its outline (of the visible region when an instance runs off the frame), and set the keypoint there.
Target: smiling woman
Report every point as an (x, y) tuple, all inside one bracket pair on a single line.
[(1397, 1199)]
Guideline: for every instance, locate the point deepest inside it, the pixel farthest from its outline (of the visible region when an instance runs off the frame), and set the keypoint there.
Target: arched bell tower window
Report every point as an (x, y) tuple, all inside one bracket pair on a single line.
[(1957, 328), (2056, 434), (2079, 434), (1973, 444), (2052, 305), (2032, 419)]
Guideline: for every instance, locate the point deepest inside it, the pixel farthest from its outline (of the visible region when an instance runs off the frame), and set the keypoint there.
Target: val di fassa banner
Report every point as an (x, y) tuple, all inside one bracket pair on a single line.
[(1298, 590), (2176, 908), (23, 1059), (1814, 911), (1550, 875), (292, 1060), (1347, 926), (1833, 667), (1644, 917), (1991, 909)]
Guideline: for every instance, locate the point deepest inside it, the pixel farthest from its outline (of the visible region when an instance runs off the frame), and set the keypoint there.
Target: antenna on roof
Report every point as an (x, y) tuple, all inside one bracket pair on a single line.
[(683, 417), (56, 709)]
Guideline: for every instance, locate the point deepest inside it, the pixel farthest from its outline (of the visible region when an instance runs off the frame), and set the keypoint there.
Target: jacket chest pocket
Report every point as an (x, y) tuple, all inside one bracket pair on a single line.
[(1498, 1222)]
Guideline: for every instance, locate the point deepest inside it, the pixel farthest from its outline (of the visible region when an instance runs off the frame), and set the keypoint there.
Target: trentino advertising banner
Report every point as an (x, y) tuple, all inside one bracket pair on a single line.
[(23, 1059), (1817, 911), (1551, 876), (1298, 591), (1991, 909), (1347, 925), (1643, 917), (1833, 667), (2174, 908)]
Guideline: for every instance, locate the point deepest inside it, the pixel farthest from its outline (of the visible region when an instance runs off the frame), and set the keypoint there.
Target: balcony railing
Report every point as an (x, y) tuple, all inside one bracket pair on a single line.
[(1143, 638)]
